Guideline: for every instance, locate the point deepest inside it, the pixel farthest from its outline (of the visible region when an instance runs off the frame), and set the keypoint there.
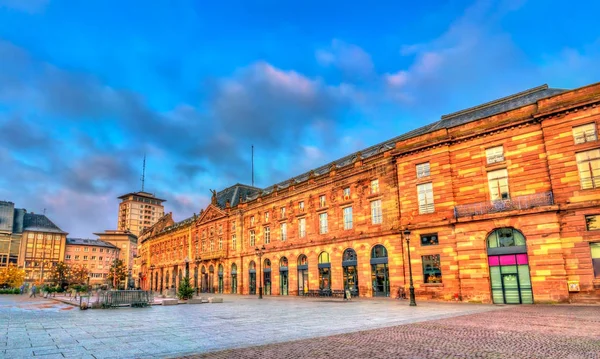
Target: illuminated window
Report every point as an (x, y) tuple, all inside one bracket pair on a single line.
[(267, 235)]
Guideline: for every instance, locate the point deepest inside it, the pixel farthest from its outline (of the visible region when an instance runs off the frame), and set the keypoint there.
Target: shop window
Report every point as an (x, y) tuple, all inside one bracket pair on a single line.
[(432, 272)]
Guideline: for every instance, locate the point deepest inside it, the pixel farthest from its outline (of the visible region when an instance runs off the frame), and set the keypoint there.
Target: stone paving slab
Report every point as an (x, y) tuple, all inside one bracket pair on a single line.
[(169, 331), (544, 332)]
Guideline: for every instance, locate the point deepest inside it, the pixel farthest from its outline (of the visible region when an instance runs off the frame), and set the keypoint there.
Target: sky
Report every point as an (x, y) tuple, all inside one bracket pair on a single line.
[(88, 88)]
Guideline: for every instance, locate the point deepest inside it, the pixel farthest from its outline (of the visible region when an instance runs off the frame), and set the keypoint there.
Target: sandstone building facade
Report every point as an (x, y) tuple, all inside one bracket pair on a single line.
[(502, 202)]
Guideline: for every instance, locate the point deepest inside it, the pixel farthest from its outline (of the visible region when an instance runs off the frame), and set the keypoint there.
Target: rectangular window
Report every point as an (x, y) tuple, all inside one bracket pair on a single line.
[(93, 258), (85, 258), (301, 206), (204, 245), (423, 170), (498, 184), (432, 272), (346, 193), (595, 247), (233, 242), (220, 230), (348, 218), (220, 243), (283, 229), (322, 201), (101, 250), (494, 154), (212, 245), (266, 216), (425, 194), (99, 258), (592, 222), (282, 209), (323, 223), (86, 249), (429, 239), (68, 256), (76, 258), (233, 226), (77, 249), (376, 216), (588, 165), (585, 133), (93, 249), (252, 221), (374, 186), (267, 235), (302, 227)]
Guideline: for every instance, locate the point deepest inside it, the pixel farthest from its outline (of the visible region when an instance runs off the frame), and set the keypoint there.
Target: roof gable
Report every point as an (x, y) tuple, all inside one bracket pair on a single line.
[(211, 213)]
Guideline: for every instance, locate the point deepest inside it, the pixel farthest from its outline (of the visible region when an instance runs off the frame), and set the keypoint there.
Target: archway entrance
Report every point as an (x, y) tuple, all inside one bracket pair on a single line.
[(252, 275), (211, 279), (267, 277), (220, 274), (379, 271), (509, 267), (233, 278), (349, 264), (302, 275), (283, 276)]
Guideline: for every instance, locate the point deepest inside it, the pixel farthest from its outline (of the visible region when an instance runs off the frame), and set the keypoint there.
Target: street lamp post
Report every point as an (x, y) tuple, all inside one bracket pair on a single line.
[(411, 288), (259, 252)]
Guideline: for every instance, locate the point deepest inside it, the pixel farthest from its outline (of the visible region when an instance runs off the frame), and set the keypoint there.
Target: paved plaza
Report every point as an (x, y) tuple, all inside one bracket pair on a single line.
[(278, 327)]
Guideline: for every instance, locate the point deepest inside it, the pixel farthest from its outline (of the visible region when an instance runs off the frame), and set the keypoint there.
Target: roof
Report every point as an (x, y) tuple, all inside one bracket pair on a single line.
[(89, 242), (504, 104), (40, 223), (142, 194), (7, 214), (234, 193)]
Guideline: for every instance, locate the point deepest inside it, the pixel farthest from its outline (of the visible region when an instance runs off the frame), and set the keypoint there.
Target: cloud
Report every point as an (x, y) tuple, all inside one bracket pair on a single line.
[(99, 134), (352, 60)]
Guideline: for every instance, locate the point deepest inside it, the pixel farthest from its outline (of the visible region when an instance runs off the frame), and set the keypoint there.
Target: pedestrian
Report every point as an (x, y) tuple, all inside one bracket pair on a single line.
[(22, 289), (33, 289)]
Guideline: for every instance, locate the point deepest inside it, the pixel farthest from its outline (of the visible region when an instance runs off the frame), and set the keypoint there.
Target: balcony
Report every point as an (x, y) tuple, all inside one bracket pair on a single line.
[(516, 203)]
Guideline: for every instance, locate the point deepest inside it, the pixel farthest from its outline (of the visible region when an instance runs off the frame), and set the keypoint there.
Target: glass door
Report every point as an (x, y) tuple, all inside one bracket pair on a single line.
[(267, 282), (351, 280), (252, 283), (302, 282), (379, 276), (283, 283)]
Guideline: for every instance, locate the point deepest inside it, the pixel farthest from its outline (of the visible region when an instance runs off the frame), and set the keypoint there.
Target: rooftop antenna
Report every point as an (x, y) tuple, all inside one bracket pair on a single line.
[(252, 165), (143, 172)]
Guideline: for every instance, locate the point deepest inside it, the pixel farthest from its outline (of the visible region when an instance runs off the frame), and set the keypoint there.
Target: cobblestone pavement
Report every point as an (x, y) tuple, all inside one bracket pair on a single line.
[(540, 331), (44, 327)]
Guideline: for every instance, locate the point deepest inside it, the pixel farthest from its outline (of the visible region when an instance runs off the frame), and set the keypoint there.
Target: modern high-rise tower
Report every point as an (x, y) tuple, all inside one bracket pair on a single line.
[(138, 211)]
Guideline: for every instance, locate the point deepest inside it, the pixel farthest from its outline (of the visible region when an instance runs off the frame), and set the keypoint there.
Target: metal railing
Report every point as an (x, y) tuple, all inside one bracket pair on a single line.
[(516, 203), (133, 298)]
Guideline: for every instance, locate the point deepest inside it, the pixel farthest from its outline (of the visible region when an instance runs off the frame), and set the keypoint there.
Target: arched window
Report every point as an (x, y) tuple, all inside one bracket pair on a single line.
[(505, 237), (380, 272), (324, 272), (302, 275), (252, 265), (324, 257), (509, 267), (283, 262), (302, 260), (379, 251), (234, 268), (267, 263), (233, 278), (349, 255)]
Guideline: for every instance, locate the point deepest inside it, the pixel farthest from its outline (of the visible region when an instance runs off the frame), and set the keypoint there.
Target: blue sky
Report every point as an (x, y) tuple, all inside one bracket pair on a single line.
[(88, 87)]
